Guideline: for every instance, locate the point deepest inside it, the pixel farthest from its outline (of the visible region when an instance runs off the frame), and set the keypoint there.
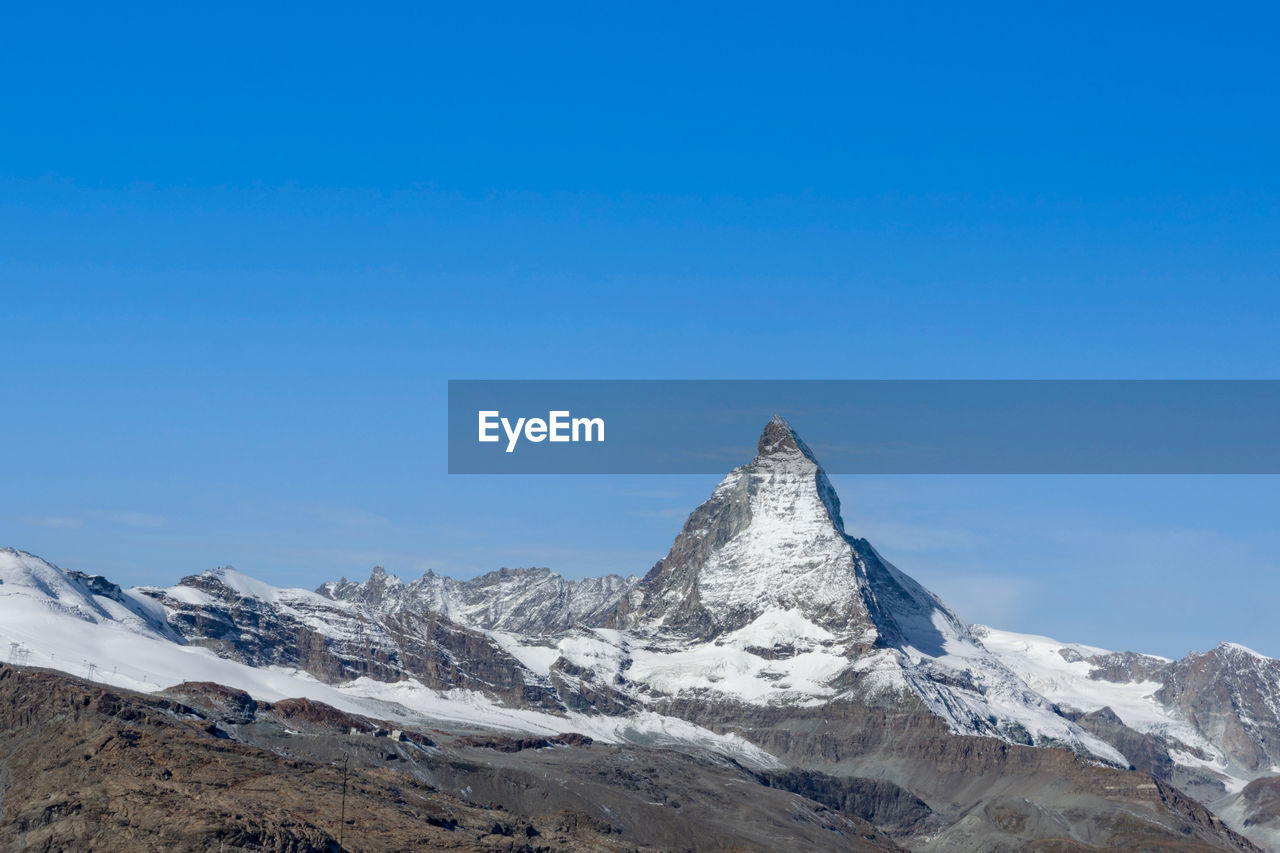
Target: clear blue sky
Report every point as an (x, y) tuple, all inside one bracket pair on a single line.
[(241, 254)]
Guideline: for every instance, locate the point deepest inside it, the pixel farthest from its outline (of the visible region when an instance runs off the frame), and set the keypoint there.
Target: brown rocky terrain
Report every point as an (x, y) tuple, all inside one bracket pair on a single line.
[(86, 767), (83, 767)]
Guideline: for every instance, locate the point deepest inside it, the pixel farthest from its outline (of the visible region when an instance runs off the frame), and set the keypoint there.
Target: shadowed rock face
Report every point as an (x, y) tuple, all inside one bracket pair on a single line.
[(779, 437), (1255, 811), (979, 790), (1263, 797), (1145, 752), (1150, 753), (878, 801)]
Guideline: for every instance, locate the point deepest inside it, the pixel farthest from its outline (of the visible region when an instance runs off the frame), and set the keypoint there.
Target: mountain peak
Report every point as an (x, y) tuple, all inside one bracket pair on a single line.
[(380, 577), (770, 535), (779, 438)]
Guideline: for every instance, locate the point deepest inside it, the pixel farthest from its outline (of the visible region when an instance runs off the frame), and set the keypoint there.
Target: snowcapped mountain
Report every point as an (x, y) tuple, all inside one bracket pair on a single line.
[(529, 601), (765, 599), (1231, 694), (226, 628), (1215, 715), (33, 594), (769, 633), (336, 641)]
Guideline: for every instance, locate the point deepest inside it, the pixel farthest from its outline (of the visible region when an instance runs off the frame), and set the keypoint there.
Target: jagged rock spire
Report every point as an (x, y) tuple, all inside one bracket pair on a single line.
[(769, 536), (778, 436)]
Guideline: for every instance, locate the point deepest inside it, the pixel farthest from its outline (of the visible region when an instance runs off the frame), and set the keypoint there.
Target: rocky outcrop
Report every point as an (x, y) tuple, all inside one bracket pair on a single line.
[(1145, 752), (1123, 667), (878, 801), (1259, 810), (523, 601), (1232, 695), (338, 642), (507, 743)]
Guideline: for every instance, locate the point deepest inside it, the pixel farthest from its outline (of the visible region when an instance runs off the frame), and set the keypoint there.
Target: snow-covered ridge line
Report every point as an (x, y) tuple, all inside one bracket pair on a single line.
[(532, 600), (50, 620), (1146, 694)]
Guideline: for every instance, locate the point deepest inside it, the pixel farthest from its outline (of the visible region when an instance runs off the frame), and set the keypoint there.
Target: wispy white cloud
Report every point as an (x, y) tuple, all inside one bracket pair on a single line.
[(127, 518), (989, 599), (57, 522), (347, 518)]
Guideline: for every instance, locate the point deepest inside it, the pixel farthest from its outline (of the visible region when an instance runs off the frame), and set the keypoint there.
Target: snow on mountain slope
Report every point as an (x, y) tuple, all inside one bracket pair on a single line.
[(1067, 674), (1064, 679), (32, 591), (332, 619), (1218, 711), (739, 665), (528, 601), (790, 531), (770, 536), (53, 619), (783, 659), (771, 541)]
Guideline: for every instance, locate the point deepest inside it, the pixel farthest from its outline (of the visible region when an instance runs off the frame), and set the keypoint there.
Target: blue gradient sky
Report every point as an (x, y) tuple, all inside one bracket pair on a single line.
[(240, 255)]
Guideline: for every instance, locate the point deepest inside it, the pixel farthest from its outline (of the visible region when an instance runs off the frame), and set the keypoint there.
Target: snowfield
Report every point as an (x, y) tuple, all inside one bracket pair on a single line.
[(1039, 662)]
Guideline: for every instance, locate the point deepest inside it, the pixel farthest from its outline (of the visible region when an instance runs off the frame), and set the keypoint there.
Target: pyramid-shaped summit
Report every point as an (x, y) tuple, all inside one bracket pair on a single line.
[(779, 437), (765, 565), (771, 537)]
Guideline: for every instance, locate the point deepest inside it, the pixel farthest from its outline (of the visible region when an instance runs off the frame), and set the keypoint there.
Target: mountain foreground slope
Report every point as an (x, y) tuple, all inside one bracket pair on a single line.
[(771, 652)]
